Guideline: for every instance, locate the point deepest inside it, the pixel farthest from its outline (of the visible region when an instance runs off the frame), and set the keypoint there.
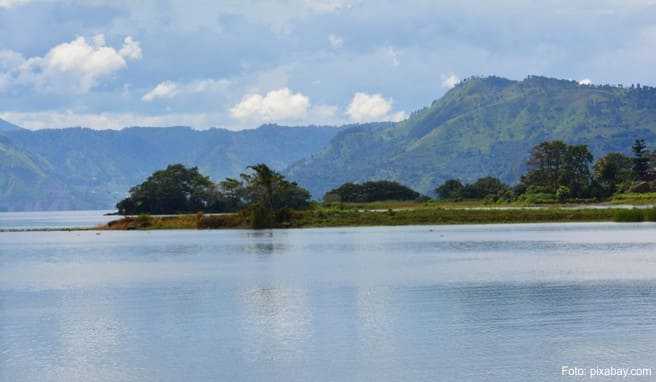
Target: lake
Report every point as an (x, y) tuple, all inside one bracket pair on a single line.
[(53, 219), (428, 303)]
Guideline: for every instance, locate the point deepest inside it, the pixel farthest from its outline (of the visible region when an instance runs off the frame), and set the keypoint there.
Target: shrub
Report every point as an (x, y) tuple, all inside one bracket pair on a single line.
[(628, 215), (538, 198), (562, 194), (650, 214)]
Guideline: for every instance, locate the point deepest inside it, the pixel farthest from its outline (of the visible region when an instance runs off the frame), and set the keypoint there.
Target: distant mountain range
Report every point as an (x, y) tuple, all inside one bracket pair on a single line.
[(75, 168), (483, 126)]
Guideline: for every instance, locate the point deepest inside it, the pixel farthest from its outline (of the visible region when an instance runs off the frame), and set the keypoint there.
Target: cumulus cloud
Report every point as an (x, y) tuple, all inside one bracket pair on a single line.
[(372, 107), (585, 81), (131, 49), (170, 89), (450, 81), (276, 105), (335, 41), (71, 67), (12, 3)]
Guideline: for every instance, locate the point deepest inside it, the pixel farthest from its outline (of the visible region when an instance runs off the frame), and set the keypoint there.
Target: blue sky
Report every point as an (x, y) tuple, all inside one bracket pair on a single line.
[(237, 64)]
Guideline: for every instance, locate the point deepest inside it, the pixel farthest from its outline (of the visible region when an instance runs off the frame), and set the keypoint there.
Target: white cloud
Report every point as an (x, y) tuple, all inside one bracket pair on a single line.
[(102, 121), (274, 106), (72, 67), (166, 89), (372, 107), (393, 55), (335, 41), (450, 81), (327, 6), (12, 3), (585, 81), (131, 49), (170, 89), (398, 116), (9, 62)]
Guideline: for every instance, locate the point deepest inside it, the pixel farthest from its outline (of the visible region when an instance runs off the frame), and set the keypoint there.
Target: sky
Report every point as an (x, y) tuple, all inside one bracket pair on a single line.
[(237, 64)]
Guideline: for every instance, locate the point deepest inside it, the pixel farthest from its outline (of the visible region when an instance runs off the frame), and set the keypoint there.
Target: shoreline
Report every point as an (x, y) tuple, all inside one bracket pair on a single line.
[(373, 215), (359, 217)]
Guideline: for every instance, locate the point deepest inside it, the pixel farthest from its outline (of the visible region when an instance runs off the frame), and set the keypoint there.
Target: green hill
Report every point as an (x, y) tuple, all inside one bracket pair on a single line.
[(483, 126)]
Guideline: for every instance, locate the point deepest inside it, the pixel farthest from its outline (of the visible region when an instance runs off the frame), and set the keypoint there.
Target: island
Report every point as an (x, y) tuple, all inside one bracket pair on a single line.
[(562, 184)]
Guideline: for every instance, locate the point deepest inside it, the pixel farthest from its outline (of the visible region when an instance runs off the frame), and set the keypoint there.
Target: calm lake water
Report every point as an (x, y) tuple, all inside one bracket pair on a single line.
[(450, 303), (53, 219)]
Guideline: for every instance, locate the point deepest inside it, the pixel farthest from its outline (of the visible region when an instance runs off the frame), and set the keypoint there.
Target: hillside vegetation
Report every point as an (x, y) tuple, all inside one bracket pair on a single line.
[(483, 127)]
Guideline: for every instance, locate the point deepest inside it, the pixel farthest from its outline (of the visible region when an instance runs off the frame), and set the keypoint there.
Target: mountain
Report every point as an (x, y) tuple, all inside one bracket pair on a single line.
[(484, 126), (6, 126), (76, 168)]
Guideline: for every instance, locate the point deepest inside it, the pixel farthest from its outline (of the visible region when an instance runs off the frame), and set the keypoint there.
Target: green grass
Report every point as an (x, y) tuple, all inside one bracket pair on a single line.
[(634, 199), (423, 214), (629, 215), (337, 218)]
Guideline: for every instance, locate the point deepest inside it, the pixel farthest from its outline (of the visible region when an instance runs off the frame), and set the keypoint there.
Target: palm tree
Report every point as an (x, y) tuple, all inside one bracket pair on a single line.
[(262, 186)]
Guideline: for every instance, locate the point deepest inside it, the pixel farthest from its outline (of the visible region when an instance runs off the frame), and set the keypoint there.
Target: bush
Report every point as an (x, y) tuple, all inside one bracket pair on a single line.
[(538, 198), (143, 221), (650, 215), (628, 215), (562, 194), (372, 191), (640, 188)]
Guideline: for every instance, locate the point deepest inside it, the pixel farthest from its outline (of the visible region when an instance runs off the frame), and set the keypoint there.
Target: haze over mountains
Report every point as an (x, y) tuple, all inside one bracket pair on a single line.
[(483, 126), (78, 168)]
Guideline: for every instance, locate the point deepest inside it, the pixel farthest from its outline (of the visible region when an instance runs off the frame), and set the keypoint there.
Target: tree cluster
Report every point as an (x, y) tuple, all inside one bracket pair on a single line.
[(177, 189), (373, 191), (563, 172), (489, 188)]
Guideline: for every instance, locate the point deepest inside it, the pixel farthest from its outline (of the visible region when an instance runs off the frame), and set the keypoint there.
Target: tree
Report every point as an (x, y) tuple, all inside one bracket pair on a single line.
[(545, 165), (176, 189), (372, 191), (487, 187), (451, 189), (641, 171), (613, 170), (576, 170), (554, 164), (269, 195), (231, 195)]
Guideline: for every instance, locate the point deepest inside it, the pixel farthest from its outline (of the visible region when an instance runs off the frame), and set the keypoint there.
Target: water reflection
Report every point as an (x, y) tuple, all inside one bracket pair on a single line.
[(363, 304)]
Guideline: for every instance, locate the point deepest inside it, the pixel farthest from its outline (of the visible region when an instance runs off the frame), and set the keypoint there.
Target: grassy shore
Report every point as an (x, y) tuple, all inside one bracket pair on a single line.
[(375, 214)]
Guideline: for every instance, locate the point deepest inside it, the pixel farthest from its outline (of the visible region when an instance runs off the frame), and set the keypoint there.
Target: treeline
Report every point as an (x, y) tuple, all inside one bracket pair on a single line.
[(557, 172), (561, 172)]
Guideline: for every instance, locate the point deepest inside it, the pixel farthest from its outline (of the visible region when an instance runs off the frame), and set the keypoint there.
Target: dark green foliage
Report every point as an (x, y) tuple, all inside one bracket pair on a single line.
[(269, 189), (373, 191), (650, 214), (555, 164), (486, 188), (613, 172), (177, 189), (641, 170), (264, 195), (450, 190), (268, 196), (628, 215)]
